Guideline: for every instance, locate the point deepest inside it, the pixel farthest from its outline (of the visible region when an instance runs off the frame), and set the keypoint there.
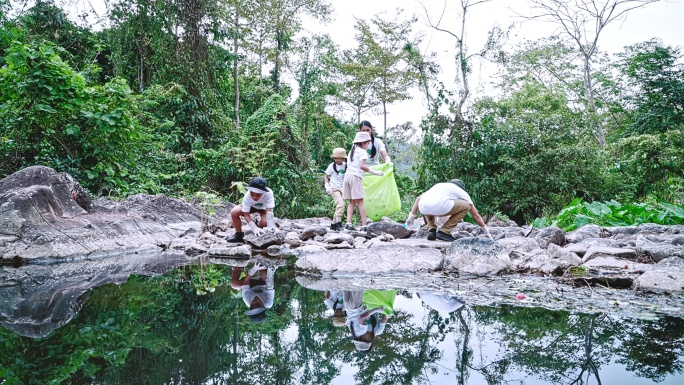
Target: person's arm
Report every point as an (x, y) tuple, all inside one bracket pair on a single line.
[(414, 210), (235, 281), (369, 170), (327, 184), (368, 313), (479, 220), (386, 156)]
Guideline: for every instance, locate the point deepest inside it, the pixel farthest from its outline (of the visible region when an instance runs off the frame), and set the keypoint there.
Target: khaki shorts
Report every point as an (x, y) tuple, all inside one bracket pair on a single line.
[(352, 187)]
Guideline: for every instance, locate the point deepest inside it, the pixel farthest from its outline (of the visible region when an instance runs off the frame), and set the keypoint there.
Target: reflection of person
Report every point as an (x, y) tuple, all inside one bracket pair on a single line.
[(334, 179), (444, 303), (258, 199), (257, 290), (363, 324), (353, 179), (376, 148), (446, 199), (334, 301)]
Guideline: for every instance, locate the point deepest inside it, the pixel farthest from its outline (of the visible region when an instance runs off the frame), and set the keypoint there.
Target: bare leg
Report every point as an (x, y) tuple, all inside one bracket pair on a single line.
[(235, 215), (362, 211), (350, 211)]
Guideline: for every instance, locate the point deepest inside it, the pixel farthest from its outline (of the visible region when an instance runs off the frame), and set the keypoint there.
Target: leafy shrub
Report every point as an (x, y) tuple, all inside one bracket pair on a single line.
[(612, 213)]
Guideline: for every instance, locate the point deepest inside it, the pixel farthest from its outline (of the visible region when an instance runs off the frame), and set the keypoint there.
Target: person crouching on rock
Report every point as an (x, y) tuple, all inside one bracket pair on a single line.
[(334, 178), (353, 178), (257, 288), (258, 199), (363, 324), (446, 199)]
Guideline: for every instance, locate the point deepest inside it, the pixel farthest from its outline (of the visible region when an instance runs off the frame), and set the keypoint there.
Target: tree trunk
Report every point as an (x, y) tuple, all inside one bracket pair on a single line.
[(594, 124), (235, 66)]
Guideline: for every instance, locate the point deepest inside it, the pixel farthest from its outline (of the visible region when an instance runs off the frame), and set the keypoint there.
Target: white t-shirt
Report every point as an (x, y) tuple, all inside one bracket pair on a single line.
[(335, 300), (443, 303), (336, 178), (354, 165), (265, 295), (379, 147), (439, 199), (266, 202)]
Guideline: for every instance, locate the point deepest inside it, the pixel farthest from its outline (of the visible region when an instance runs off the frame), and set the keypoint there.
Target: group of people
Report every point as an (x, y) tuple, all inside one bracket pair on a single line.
[(344, 181), (344, 176)]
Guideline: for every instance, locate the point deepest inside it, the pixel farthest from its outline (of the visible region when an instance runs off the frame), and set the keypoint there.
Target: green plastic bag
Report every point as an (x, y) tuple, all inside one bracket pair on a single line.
[(377, 298), (382, 196)]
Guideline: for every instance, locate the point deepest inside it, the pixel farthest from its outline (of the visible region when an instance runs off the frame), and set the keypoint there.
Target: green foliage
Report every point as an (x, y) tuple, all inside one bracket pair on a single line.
[(612, 213), (652, 164)]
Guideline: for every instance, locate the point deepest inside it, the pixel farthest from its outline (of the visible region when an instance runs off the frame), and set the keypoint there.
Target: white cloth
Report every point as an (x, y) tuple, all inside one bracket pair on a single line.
[(265, 295), (354, 165), (443, 303), (379, 147), (267, 201), (336, 178), (439, 199), (335, 298), (379, 327)]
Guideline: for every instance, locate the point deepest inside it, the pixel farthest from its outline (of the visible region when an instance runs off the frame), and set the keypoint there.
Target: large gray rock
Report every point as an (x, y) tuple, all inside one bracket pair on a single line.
[(479, 256), (397, 230), (609, 264), (584, 232), (666, 276), (553, 260), (660, 251), (380, 259), (41, 220), (267, 239), (603, 251), (312, 231), (550, 235), (521, 244), (582, 247)]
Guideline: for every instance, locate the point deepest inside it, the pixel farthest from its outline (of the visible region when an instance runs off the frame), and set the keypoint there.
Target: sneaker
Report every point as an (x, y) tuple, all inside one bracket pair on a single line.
[(349, 226), (237, 238), (432, 234), (445, 237), (333, 226)]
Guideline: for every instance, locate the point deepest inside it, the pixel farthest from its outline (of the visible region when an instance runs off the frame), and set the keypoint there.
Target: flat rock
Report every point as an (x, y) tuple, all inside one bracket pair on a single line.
[(660, 251), (605, 264), (603, 251), (230, 250), (666, 276), (381, 259), (479, 256), (397, 230), (522, 244)]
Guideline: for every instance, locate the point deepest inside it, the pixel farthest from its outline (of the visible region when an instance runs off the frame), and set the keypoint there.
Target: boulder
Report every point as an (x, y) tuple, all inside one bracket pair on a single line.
[(660, 251), (550, 235), (397, 230), (267, 239), (666, 276), (479, 256), (337, 238), (312, 231), (521, 244), (584, 232)]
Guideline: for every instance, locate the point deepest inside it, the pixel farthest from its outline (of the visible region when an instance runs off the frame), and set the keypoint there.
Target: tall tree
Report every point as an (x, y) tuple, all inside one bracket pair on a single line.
[(582, 21), (388, 43)]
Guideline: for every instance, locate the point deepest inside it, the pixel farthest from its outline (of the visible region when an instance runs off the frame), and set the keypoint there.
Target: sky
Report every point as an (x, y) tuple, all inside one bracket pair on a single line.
[(664, 20)]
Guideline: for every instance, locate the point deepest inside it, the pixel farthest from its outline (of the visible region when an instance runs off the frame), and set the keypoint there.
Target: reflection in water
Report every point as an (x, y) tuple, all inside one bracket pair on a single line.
[(195, 325)]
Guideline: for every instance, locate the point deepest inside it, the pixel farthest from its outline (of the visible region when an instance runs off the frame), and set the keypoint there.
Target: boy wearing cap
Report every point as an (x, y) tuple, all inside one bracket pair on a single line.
[(446, 199), (257, 288), (334, 178), (258, 199)]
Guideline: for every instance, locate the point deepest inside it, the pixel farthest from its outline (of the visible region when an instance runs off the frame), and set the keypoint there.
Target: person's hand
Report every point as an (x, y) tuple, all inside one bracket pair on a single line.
[(376, 172), (271, 230), (257, 266), (489, 235), (328, 189), (255, 229), (410, 219)]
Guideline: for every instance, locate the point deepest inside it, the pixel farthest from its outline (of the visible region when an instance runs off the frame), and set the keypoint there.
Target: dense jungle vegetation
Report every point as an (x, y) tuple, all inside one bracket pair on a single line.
[(179, 96)]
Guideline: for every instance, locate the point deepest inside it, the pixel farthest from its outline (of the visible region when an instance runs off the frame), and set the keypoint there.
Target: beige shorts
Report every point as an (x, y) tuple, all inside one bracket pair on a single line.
[(352, 187)]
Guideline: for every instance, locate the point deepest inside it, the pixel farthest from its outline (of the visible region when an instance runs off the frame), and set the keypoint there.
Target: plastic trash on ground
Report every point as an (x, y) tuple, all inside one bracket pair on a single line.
[(382, 196)]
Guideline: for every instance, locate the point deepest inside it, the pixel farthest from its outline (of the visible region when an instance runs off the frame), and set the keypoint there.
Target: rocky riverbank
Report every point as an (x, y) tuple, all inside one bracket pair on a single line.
[(46, 218)]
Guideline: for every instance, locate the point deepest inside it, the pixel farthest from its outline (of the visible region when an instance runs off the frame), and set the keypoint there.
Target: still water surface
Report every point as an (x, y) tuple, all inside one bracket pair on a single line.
[(188, 326)]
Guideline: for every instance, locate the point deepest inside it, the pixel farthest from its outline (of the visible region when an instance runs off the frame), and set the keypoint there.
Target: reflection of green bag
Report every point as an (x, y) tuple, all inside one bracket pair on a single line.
[(381, 193), (377, 298)]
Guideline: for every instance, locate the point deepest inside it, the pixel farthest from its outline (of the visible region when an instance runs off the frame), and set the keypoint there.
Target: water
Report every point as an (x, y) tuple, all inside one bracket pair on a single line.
[(188, 326)]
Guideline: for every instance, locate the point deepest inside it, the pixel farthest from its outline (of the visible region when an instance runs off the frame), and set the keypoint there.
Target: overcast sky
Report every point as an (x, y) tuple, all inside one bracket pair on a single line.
[(664, 20)]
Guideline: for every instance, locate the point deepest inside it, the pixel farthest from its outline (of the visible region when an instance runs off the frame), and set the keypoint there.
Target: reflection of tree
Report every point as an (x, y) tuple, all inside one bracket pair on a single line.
[(654, 349)]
